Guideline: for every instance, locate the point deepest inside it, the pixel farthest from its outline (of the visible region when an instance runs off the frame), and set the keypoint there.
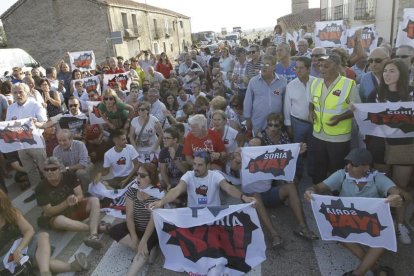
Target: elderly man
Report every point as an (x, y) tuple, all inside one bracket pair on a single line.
[(303, 48), (63, 204), (317, 52), (209, 182), (113, 66), (153, 75), (74, 156), (370, 81), (201, 138), (190, 71), (359, 180), (329, 101), (264, 95), (22, 108), (285, 66), (158, 108)]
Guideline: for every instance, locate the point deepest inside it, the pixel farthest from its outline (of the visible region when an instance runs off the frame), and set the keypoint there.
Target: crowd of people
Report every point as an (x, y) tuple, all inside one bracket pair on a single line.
[(181, 126)]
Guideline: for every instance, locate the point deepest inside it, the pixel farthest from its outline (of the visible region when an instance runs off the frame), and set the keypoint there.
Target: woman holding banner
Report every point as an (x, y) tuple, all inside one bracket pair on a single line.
[(387, 152), (138, 232), (13, 226)]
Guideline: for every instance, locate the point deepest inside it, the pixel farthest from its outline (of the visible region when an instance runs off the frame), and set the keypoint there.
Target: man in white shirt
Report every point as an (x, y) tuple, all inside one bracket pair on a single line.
[(202, 186), (24, 107), (158, 109), (296, 109), (122, 160)]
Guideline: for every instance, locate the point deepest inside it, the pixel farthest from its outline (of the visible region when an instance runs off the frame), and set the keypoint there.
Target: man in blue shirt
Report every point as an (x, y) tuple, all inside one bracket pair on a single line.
[(285, 67)]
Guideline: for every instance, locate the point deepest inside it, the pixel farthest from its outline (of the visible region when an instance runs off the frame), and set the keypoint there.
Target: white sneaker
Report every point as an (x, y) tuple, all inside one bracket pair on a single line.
[(403, 234)]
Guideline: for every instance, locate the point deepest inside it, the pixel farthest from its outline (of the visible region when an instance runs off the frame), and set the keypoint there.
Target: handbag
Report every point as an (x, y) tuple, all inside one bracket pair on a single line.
[(399, 154)]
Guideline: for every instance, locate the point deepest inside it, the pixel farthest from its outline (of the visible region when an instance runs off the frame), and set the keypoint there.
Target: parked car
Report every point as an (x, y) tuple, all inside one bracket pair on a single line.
[(15, 57)]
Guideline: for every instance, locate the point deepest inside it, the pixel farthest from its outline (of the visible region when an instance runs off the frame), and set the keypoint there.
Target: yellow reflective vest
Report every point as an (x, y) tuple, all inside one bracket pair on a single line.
[(336, 103)]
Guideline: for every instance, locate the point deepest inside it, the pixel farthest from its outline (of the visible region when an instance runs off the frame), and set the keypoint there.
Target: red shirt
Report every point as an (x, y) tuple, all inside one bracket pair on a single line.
[(164, 69), (211, 142), (116, 71)]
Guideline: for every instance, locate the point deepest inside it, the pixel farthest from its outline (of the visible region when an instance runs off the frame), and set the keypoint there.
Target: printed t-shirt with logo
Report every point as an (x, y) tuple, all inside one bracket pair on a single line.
[(203, 191), (121, 163)]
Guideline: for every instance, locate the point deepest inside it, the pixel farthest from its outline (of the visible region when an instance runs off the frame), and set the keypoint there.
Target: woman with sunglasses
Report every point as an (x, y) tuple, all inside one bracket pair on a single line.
[(164, 65), (393, 87), (14, 226), (116, 114), (274, 133), (145, 134), (51, 98), (138, 232), (172, 160)]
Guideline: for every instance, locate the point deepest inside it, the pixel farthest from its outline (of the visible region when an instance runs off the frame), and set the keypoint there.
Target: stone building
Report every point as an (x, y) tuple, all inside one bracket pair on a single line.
[(385, 14), (47, 29), (301, 16)]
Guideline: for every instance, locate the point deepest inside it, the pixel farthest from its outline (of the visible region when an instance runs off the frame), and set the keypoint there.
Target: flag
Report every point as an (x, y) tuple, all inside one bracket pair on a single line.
[(83, 61), (330, 34), (222, 240), (361, 220), (389, 120), (122, 78), (269, 162), (20, 134)]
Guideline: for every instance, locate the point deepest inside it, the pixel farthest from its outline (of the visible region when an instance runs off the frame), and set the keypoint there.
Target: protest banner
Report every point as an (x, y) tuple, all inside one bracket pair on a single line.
[(20, 134), (83, 61), (405, 32), (330, 34), (369, 38), (389, 120), (121, 78), (221, 240), (92, 84), (269, 162), (361, 220), (94, 113)]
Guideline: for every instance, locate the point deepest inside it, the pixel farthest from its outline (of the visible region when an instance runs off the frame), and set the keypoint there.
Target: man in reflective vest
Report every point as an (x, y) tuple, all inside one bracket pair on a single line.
[(329, 101)]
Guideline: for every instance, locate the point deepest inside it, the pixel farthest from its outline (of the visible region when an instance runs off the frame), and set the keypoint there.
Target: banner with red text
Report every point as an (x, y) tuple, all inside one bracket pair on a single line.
[(369, 38), (330, 34), (361, 220), (122, 78), (92, 84), (389, 120), (20, 134), (222, 240), (269, 162), (84, 61)]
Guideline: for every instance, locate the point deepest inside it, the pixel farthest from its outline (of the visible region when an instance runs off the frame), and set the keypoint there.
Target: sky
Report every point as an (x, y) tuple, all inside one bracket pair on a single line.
[(212, 15)]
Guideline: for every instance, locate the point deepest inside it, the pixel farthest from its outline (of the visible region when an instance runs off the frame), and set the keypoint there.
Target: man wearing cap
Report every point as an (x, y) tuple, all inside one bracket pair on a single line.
[(358, 179), (329, 101)]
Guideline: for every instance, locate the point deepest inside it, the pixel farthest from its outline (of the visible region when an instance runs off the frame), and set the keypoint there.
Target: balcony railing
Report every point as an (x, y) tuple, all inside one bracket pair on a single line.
[(365, 9)]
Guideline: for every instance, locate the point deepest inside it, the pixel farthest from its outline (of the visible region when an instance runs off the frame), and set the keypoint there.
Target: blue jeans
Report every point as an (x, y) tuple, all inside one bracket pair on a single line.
[(302, 133)]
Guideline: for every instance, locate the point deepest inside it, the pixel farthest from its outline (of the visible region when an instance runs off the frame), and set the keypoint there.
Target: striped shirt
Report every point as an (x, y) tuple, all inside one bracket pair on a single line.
[(76, 154), (240, 70), (141, 213), (253, 69)]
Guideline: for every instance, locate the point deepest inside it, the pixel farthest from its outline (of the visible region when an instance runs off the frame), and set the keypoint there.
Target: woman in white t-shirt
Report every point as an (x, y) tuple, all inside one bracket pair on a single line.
[(226, 61), (145, 134)]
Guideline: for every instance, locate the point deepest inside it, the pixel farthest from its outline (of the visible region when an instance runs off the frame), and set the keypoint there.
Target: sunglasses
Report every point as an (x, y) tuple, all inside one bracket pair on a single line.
[(109, 98), (402, 56), (273, 125), (376, 60), (252, 52), (317, 55), (51, 169), (142, 175), (73, 105)]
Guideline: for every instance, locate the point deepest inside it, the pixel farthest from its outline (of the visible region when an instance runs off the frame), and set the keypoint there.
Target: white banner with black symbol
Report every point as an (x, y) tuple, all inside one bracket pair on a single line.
[(84, 61), (355, 219), (20, 134), (269, 162)]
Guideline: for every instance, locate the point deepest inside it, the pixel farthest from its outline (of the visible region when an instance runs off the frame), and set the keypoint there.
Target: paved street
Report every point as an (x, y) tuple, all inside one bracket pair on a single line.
[(298, 257)]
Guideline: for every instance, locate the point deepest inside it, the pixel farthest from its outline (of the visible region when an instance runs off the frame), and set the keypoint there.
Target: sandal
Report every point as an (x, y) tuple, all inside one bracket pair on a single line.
[(383, 270), (93, 241), (305, 233), (80, 263), (276, 241), (104, 227)]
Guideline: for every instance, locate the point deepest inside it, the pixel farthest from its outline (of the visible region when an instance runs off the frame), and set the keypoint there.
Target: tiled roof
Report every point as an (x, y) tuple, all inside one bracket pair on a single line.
[(295, 21), (118, 3)]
